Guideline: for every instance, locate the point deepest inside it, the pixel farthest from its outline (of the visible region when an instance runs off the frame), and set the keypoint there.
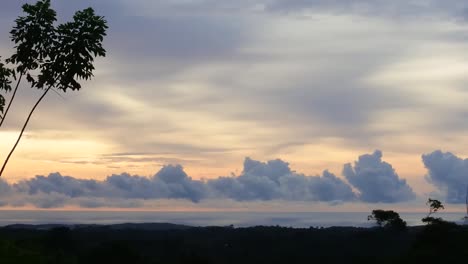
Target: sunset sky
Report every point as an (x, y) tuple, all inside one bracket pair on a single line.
[(204, 84)]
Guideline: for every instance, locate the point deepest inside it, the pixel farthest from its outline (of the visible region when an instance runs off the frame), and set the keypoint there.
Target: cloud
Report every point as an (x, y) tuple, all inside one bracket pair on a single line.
[(49, 200), (397, 9), (56, 183), (448, 173), (259, 181), (376, 180), (171, 182), (275, 180), (270, 180), (177, 184)]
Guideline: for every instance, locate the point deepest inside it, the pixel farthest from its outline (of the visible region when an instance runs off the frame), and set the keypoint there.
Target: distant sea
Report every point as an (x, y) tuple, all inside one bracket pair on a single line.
[(238, 219)]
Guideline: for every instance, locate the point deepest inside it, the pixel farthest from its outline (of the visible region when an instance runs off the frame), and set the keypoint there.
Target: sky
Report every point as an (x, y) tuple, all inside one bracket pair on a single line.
[(252, 105)]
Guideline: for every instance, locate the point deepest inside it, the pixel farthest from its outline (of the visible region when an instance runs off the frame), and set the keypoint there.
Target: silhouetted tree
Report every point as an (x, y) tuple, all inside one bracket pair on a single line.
[(388, 219), (434, 207), (49, 56)]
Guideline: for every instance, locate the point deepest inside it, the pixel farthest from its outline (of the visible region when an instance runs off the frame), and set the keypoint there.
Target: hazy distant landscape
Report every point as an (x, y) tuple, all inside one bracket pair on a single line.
[(237, 219)]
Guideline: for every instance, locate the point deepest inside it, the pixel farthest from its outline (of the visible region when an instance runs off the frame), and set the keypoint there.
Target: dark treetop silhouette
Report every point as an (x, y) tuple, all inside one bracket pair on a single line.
[(434, 207), (49, 56), (387, 219)]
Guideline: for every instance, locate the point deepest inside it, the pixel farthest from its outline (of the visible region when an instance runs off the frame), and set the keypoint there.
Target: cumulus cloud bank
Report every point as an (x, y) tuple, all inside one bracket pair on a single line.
[(275, 180), (448, 173), (375, 180), (171, 182)]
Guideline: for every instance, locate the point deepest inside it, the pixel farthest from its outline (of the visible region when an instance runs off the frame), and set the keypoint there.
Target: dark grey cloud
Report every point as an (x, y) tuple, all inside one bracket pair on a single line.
[(275, 180), (396, 8), (5, 188), (48, 200), (376, 180), (171, 182), (56, 183), (167, 37), (114, 159), (452, 9), (338, 104), (259, 181), (148, 46), (8, 12), (448, 173), (151, 47)]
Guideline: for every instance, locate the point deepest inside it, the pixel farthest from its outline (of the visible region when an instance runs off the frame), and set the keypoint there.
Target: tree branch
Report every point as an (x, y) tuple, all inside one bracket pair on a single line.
[(11, 99), (22, 130)]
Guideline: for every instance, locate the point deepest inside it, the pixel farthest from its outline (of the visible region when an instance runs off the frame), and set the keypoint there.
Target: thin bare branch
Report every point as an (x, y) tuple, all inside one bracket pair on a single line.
[(22, 131), (11, 99)]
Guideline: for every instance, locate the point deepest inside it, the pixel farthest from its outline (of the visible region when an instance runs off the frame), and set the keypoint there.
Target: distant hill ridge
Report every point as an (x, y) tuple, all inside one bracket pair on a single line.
[(124, 226)]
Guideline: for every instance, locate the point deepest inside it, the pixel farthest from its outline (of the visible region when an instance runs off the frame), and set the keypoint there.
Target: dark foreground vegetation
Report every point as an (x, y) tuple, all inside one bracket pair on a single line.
[(439, 242)]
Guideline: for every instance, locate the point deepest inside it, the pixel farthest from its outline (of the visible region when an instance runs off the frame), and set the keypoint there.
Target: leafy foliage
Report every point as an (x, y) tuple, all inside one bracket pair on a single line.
[(434, 206), (388, 219), (62, 54), (5, 83), (51, 57), (437, 221), (33, 36), (226, 245)]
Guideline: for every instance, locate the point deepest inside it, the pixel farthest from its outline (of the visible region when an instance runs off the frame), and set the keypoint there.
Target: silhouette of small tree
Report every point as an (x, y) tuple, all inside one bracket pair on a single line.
[(434, 207), (49, 56), (387, 219)]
